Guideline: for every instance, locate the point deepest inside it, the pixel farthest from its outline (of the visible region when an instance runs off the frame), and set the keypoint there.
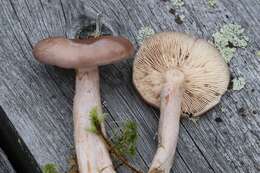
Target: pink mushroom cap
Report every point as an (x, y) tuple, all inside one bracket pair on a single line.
[(80, 53)]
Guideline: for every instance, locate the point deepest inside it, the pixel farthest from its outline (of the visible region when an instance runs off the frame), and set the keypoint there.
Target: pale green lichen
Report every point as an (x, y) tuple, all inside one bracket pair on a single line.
[(143, 33), (194, 120), (179, 19), (238, 83), (222, 109), (50, 168), (212, 3), (182, 17), (230, 37), (258, 54), (177, 3)]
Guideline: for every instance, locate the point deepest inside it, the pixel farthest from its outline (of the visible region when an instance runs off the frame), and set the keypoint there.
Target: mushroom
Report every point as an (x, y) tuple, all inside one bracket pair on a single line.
[(181, 75), (85, 55)]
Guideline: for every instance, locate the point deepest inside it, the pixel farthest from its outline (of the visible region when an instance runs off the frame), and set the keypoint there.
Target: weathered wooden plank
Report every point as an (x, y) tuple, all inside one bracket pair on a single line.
[(234, 137), (41, 96), (5, 166), (44, 152), (53, 144), (203, 134)]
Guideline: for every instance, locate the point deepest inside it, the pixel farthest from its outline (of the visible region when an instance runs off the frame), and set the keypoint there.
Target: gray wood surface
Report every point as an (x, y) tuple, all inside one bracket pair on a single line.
[(5, 166), (38, 98)]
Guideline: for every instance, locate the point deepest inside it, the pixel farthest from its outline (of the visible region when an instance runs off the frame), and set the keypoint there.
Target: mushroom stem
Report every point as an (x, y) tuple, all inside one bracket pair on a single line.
[(92, 154), (171, 98)]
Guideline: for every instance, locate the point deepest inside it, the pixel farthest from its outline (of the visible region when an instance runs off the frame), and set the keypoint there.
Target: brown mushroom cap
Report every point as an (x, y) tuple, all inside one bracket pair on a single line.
[(206, 75), (76, 53)]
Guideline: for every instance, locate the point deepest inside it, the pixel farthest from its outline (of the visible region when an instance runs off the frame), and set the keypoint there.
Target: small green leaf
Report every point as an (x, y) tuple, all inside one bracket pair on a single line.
[(50, 168)]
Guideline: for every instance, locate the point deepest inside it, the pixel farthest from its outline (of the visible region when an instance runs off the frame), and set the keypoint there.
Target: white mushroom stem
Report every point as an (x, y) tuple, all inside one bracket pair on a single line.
[(171, 98), (92, 154)]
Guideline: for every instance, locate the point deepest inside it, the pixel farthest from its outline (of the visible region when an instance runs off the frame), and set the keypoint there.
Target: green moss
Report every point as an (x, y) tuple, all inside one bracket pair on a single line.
[(238, 83), (50, 168), (96, 119), (143, 33), (125, 143), (212, 3), (230, 37), (177, 3)]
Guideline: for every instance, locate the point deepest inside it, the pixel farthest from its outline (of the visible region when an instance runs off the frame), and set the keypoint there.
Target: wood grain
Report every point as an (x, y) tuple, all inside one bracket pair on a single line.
[(38, 98)]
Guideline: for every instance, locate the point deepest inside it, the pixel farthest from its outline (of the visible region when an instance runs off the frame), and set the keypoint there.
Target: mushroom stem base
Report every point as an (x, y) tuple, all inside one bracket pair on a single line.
[(171, 98), (92, 154)]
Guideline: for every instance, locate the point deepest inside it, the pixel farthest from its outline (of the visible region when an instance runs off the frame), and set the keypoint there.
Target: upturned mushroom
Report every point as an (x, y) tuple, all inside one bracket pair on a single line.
[(85, 55), (180, 75)]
